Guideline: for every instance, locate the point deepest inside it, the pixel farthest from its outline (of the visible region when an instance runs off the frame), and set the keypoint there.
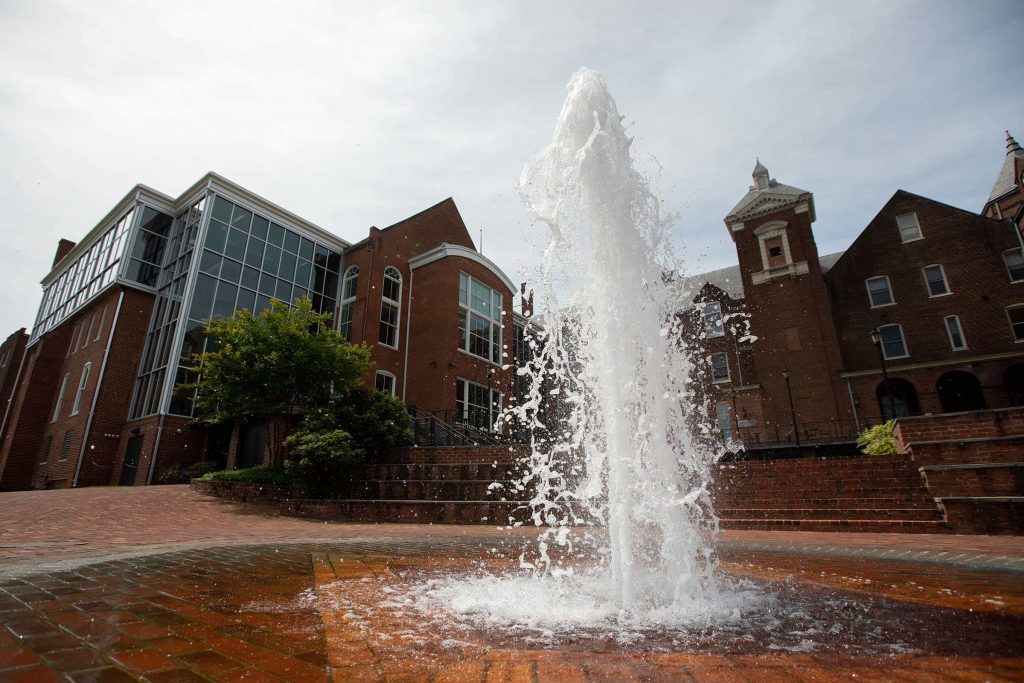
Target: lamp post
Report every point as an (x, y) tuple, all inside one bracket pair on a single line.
[(876, 339), (792, 410)]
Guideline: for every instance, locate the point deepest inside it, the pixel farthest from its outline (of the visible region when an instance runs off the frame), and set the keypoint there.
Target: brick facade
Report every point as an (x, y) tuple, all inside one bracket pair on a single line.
[(12, 352)]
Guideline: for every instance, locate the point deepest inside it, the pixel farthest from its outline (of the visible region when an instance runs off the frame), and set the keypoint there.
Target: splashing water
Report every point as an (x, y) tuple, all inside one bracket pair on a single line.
[(617, 440)]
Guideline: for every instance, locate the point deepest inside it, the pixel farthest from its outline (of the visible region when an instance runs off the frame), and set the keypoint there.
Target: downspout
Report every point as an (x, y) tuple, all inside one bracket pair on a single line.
[(853, 404), (156, 449), (408, 326), (99, 385)]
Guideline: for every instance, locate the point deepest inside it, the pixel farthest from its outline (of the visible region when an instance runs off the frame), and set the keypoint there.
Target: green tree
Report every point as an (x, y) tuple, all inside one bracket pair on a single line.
[(878, 440), (267, 366)]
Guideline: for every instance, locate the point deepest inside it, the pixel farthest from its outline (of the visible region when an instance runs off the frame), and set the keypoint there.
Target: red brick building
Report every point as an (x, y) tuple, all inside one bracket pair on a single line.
[(98, 398), (789, 332)]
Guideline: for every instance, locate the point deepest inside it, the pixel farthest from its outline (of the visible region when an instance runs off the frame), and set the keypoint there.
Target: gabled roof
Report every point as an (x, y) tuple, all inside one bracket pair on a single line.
[(448, 202), (766, 195), (1006, 180)]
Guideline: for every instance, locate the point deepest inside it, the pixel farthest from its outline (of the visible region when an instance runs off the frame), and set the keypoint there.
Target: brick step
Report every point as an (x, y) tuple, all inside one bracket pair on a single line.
[(889, 503), (863, 525), (823, 480), (820, 492), (444, 472), (407, 511), (429, 489), (851, 514), (797, 466)]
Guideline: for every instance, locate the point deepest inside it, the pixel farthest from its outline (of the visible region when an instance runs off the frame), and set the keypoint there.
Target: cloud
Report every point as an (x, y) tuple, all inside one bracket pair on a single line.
[(355, 114)]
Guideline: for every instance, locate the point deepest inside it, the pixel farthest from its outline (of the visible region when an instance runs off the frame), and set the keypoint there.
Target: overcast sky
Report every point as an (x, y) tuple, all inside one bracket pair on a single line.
[(362, 115)]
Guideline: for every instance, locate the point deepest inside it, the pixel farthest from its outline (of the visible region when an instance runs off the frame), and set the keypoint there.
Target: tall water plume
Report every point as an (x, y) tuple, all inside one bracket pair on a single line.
[(619, 442)]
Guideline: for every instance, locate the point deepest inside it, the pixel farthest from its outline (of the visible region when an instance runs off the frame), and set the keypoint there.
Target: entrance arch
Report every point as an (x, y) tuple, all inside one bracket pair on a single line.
[(959, 391), (903, 399), (1013, 380)]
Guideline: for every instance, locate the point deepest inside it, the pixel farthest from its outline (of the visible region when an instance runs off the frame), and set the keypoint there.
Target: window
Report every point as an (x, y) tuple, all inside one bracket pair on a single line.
[(60, 397), (479, 319), (473, 407), (892, 342), (879, 291), (720, 367), (956, 334), (65, 446), (713, 320), (910, 229), (391, 298), (1014, 264), (88, 335), (86, 369), (47, 447), (348, 301), (1016, 315), (724, 421), (935, 278), (385, 381), (99, 326)]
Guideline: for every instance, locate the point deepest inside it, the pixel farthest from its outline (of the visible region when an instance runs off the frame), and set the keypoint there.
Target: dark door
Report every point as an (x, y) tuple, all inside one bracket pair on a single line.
[(253, 443), (131, 460), (960, 391)]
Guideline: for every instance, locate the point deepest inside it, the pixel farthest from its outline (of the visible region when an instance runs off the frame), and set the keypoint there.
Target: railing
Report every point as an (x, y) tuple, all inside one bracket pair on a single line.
[(810, 433), (452, 428)]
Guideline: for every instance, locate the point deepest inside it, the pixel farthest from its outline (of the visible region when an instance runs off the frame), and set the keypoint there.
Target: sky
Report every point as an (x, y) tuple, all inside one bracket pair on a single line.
[(352, 114)]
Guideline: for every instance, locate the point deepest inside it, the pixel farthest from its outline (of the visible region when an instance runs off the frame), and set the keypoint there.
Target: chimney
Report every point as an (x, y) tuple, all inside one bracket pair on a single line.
[(526, 300), (63, 248)]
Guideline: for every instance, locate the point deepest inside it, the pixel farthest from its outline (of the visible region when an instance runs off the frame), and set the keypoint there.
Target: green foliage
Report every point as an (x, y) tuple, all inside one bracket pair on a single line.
[(176, 474), (878, 440), (319, 459), (377, 421), (266, 476), (271, 363)]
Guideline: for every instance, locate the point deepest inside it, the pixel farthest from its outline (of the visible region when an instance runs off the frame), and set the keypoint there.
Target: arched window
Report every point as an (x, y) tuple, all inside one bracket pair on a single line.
[(959, 391), (348, 300), (897, 399), (390, 308)]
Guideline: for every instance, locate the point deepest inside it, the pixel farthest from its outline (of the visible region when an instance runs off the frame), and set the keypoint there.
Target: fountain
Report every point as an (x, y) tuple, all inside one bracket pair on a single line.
[(628, 452)]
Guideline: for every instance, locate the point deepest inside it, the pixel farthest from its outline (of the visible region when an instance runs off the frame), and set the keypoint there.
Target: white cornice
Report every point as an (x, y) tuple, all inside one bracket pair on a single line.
[(446, 250)]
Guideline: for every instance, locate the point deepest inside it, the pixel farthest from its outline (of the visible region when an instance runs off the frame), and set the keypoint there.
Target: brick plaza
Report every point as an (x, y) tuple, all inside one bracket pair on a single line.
[(187, 587)]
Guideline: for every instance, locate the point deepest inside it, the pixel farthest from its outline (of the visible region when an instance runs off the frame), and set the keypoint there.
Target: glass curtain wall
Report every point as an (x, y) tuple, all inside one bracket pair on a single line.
[(176, 265), (94, 269)]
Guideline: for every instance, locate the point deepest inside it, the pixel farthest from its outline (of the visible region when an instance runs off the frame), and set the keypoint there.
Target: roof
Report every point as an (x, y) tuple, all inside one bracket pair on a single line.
[(429, 209), (729, 281), (1006, 180), (765, 195)]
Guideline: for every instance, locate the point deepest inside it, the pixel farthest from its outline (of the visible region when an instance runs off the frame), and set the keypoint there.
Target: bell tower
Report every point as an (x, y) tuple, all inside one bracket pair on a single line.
[(790, 311)]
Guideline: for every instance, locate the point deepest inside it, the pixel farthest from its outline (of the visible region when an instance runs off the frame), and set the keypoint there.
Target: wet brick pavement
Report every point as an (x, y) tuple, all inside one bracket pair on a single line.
[(166, 585)]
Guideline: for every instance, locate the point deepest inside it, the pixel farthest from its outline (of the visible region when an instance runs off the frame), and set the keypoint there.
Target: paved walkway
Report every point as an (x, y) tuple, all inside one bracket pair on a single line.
[(164, 584)]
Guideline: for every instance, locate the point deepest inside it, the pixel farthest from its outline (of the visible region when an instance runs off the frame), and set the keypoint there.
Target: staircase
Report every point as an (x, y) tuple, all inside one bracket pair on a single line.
[(422, 493), (856, 493)]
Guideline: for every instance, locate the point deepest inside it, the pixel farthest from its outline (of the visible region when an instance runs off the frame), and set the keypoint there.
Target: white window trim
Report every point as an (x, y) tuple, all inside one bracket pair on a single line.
[(385, 373), (906, 348), (945, 281), (352, 272), (920, 232), (768, 231), (1007, 265), (949, 333), (728, 370), (888, 285), (1010, 321), (721, 320), (499, 322), (490, 397), (396, 304), (728, 432), (76, 407), (60, 397)]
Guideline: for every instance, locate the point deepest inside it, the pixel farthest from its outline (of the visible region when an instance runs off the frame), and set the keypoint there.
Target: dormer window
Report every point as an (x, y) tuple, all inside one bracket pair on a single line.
[(910, 229)]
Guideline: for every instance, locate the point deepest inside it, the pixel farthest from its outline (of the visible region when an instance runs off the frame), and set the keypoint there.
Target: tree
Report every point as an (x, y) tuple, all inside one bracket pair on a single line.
[(266, 366)]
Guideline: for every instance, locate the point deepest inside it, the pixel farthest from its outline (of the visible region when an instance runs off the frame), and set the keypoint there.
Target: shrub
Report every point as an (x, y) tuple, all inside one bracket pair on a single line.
[(878, 440), (261, 475), (176, 474), (319, 459), (376, 421)]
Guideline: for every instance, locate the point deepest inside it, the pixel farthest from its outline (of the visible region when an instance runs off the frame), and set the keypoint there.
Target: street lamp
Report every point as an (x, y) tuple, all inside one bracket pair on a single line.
[(887, 407), (792, 410)]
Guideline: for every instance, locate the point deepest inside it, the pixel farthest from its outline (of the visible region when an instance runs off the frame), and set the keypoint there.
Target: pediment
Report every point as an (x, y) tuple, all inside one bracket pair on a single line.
[(767, 203)]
